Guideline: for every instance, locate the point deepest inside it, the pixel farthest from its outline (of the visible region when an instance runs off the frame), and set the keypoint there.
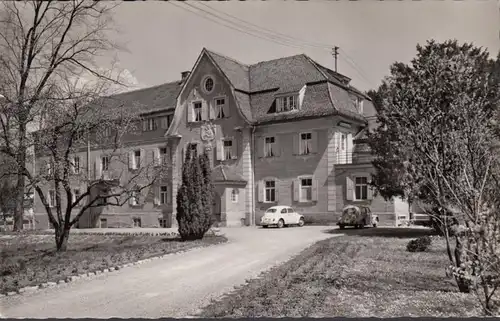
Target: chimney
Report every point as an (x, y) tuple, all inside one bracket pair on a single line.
[(185, 74)]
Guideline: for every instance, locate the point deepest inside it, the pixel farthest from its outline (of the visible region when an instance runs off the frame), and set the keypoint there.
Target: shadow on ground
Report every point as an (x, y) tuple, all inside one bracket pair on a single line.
[(396, 232)]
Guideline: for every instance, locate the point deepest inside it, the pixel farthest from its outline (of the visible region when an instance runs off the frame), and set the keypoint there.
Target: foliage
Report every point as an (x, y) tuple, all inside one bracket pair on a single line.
[(420, 244), (436, 142), (194, 200), (51, 84)]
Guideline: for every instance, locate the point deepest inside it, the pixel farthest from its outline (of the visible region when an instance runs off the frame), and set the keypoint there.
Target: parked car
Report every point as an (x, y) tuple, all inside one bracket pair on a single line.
[(281, 216), (357, 216)]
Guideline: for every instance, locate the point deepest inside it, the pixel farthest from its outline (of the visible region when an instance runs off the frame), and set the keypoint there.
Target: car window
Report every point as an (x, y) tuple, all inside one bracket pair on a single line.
[(271, 210), (290, 210), (283, 211)]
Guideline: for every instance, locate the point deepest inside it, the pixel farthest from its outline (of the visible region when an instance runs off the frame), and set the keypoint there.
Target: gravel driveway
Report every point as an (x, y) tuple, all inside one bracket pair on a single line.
[(175, 286)]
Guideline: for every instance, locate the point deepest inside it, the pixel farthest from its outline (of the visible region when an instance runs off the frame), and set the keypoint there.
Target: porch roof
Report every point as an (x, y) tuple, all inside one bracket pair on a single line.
[(227, 174)]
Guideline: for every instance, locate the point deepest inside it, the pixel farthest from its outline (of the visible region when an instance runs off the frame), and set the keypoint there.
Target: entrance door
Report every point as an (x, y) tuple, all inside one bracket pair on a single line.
[(216, 207)]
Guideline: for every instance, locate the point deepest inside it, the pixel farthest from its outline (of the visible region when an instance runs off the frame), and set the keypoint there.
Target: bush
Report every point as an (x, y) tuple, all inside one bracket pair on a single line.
[(194, 203), (420, 244)]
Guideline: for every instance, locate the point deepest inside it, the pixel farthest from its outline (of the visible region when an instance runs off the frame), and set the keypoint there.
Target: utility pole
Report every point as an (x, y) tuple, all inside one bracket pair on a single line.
[(335, 54)]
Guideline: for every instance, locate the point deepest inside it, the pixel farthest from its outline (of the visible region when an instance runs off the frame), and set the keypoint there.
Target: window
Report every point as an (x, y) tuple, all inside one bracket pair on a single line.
[(359, 105), (165, 121), (219, 108), (106, 132), (269, 146), (137, 158), (286, 103), (52, 198), (343, 142), (162, 222), (163, 156), (305, 143), (163, 195), (76, 165), (290, 210), (194, 149), (137, 222), (105, 163), (134, 198), (149, 125), (228, 149), (76, 194), (197, 111), (209, 85), (284, 211), (361, 188), (103, 223), (234, 195), (306, 189), (270, 191)]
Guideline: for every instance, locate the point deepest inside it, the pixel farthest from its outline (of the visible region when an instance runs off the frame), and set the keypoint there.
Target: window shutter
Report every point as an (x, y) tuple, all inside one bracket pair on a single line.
[(156, 157), (142, 158), (169, 195), (212, 109), (315, 190), (296, 144), (370, 191), (235, 149), (220, 150), (131, 160), (349, 148), (314, 141), (71, 165), (227, 112), (349, 189), (336, 138), (261, 141), (296, 190), (157, 195), (260, 191), (204, 111), (131, 199), (277, 146), (189, 113), (98, 167)]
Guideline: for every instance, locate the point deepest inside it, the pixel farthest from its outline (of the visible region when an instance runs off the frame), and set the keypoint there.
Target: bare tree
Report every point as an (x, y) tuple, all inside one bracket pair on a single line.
[(41, 43)]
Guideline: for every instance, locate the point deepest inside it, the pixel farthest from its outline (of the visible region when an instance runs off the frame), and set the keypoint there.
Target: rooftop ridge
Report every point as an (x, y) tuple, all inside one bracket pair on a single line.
[(142, 89), (275, 59), (227, 57)]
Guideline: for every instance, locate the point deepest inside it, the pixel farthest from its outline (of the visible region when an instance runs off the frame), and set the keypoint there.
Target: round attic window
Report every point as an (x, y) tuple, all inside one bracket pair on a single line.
[(208, 84)]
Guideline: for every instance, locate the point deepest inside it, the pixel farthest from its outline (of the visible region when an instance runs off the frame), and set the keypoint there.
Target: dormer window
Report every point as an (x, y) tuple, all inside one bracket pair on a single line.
[(286, 103)]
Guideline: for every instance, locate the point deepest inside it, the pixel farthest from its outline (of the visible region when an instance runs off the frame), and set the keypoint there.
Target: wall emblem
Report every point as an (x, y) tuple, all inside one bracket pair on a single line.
[(207, 132)]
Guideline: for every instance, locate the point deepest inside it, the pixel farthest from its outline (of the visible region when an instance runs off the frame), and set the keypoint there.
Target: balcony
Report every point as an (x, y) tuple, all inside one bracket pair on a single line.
[(355, 158)]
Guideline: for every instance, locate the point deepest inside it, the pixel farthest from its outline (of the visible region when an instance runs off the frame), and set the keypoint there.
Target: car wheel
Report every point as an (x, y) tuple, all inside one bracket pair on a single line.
[(281, 223), (301, 222), (264, 226), (375, 225), (341, 226)]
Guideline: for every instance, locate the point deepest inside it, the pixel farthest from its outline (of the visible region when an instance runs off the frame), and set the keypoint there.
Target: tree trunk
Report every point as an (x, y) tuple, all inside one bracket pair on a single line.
[(62, 236), (19, 210), (463, 284)]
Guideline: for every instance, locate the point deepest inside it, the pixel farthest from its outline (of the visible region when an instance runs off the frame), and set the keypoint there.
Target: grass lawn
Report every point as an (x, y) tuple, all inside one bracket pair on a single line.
[(30, 259), (366, 273)]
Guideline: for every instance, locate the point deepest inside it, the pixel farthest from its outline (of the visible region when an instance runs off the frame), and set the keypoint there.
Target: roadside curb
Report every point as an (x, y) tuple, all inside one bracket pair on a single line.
[(99, 272)]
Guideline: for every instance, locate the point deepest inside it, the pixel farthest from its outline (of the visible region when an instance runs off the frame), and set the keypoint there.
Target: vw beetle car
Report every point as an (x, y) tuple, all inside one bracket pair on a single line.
[(357, 216), (281, 216)]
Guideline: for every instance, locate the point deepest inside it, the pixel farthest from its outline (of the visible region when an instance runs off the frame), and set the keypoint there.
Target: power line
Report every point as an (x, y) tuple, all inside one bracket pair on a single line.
[(304, 42)]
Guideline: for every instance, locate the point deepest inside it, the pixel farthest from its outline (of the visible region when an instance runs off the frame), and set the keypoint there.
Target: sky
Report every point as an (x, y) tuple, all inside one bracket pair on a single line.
[(164, 38)]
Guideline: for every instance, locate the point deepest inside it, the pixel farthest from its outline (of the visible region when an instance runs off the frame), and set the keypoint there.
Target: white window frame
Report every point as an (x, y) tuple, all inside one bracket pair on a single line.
[(219, 109), (235, 193), (269, 148), (302, 198), (228, 150), (135, 220), (163, 194), (105, 163), (287, 103), (76, 164), (151, 124), (76, 195), (205, 80), (163, 156), (51, 198), (266, 200), (305, 142), (361, 186), (137, 159), (195, 114), (134, 198)]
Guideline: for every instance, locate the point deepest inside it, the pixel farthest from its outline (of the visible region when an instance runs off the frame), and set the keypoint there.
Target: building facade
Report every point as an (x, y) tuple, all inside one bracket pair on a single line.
[(285, 131)]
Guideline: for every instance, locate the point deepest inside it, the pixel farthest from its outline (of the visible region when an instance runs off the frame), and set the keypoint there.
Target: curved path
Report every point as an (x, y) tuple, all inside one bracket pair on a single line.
[(175, 286)]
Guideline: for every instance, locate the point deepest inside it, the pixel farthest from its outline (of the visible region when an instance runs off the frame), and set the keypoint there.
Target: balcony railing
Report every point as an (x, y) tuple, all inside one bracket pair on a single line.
[(349, 157)]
